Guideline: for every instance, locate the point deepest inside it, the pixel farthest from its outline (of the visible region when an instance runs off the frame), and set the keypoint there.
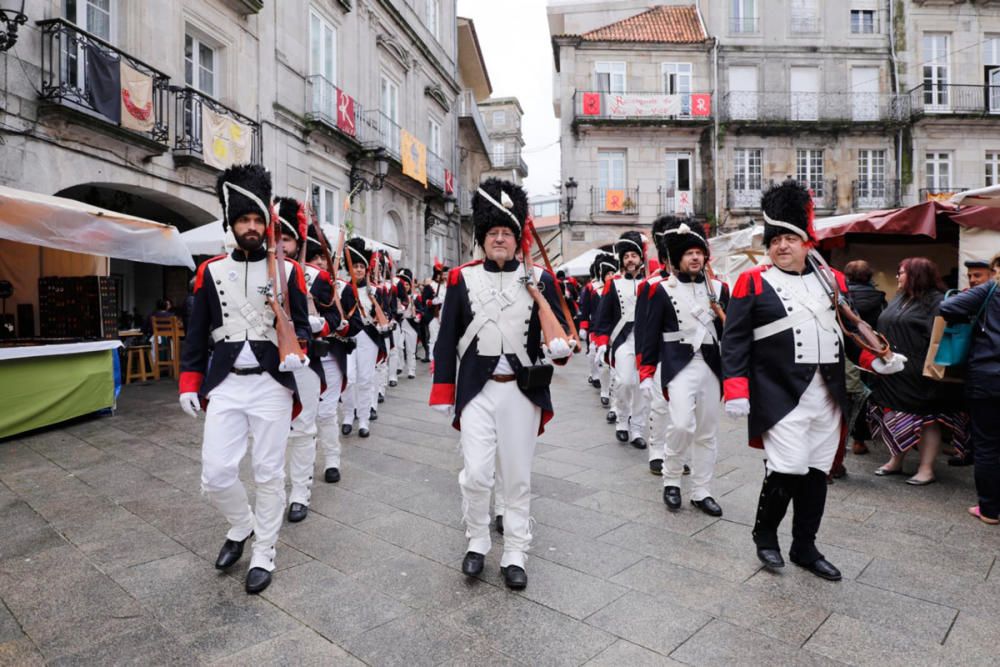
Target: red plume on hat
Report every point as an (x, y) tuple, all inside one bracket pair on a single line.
[(526, 237), (303, 220), (437, 264)]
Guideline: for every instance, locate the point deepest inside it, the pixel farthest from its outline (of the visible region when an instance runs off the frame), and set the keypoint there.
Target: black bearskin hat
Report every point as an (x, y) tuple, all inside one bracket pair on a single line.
[(674, 237), (405, 274), (604, 264), (788, 209), (292, 218), (313, 246), (358, 250), (253, 178), (630, 241), (512, 200)]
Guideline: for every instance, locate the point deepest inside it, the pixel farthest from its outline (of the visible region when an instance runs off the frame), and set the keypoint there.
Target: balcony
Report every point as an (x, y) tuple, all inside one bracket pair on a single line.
[(874, 194), (468, 110), (954, 99), (744, 193), (614, 201), (939, 194), (189, 124), (332, 107), (464, 202), (744, 25), (377, 130), (596, 106), (673, 201), (435, 170), (784, 107), (824, 194), (82, 78), (509, 160)]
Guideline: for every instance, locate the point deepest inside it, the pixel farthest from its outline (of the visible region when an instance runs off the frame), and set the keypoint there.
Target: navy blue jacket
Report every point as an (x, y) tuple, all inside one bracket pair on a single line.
[(983, 375)]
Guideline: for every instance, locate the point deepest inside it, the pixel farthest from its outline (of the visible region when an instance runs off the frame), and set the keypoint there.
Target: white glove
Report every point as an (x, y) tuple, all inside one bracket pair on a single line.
[(557, 348), (894, 364), (738, 407), (447, 409), (601, 351), (293, 362), (190, 403), (583, 335), (316, 323), (648, 388)]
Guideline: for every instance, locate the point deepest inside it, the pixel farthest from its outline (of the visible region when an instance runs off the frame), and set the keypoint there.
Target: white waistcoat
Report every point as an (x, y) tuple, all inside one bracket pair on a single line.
[(242, 288), (695, 317), (818, 339), (501, 312)]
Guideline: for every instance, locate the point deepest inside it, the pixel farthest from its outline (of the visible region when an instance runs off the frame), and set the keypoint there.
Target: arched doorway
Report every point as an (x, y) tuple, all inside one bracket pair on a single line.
[(390, 231)]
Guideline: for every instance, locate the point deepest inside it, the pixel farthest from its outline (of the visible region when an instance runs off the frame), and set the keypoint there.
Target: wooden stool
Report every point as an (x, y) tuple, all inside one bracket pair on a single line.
[(167, 330), (138, 354)]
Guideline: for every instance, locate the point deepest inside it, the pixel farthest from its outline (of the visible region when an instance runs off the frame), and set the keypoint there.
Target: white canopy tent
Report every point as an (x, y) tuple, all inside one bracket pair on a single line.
[(210, 239), (988, 196), (736, 252), (580, 265)]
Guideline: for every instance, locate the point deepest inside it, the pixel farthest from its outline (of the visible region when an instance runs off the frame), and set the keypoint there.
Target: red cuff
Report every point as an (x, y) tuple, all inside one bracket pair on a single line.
[(325, 331), (599, 340), (442, 394), (190, 382), (584, 324), (866, 359), (733, 388), (344, 327), (646, 372)]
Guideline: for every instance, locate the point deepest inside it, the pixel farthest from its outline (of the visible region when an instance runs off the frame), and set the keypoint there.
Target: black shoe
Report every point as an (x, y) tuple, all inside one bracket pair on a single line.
[(958, 461), (622, 436), (822, 568), (399, 371), (708, 506), (771, 558), (346, 429), (590, 381), (687, 469), (230, 552), (515, 577), (425, 360), (639, 443), (410, 376), (472, 564), (381, 399), (596, 384), (257, 580), (499, 523), (656, 466), (605, 401), (672, 497), (297, 512), (331, 475), (373, 415), (363, 433), (393, 383)]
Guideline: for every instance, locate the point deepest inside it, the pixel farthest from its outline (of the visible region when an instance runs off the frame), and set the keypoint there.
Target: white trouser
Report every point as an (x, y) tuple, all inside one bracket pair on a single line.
[(381, 378), (432, 334), (694, 419), (409, 339), (607, 380), (499, 504), (499, 428), (360, 381), (631, 407), (659, 420), (808, 436), (241, 406), (395, 351), (595, 363), (302, 438), (327, 426)]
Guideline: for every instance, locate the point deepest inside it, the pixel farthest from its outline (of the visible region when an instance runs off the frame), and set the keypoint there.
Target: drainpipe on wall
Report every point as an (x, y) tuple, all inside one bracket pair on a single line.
[(894, 77), (715, 114)]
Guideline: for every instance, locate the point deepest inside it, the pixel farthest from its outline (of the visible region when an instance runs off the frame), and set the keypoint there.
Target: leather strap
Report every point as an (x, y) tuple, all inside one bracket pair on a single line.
[(503, 378)]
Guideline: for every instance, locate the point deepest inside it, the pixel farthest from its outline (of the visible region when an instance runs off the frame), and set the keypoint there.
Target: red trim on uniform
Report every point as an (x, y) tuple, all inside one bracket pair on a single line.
[(584, 325), (733, 388), (344, 326), (757, 443), (599, 339), (323, 273), (547, 415), (666, 394), (607, 285), (743, 286), (296, 408), (442, 394), (190, 381), (199, 278), (841, 280), (325, 331), (301, 282), (646, 371), (866, 359), (457, 271)]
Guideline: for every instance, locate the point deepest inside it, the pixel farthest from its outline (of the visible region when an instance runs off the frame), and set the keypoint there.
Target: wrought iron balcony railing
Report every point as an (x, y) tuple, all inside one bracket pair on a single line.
[(673, 201), (188, 124), (944, 98), (77, 68), (328, 104), (467, 108), (744, 192), (380, 131), (874, 194), (600, 105), (744, 24), (752, 106), (617, 201), (824, 193), (509, 160), (435, 170)]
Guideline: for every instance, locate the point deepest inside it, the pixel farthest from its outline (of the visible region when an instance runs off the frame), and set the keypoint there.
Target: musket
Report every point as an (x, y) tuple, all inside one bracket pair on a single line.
[(550, 325), (380, 319), (288, 341), (332, 265), (863, 335), (574, 336), (354, 281), (713, 299)]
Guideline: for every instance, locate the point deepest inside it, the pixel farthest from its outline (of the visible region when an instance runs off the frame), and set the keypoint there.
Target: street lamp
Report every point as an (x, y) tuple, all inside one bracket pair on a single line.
[(358, 181), (449, 205), (570, 186), (11, 19)]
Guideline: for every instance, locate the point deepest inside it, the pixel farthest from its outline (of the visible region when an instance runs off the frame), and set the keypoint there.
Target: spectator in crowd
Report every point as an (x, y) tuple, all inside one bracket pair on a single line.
[(908, 409), (977, 271), (869, 302), (188, 304), (982, 388), (995, 266), (162, 310)]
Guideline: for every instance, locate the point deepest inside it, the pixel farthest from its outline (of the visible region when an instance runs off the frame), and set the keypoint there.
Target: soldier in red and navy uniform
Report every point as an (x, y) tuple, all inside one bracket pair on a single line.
[(681, 334), (488, 375), (230, 363), (433, 300), (408, 316), (605, 266), (615, 336), (783, 366)]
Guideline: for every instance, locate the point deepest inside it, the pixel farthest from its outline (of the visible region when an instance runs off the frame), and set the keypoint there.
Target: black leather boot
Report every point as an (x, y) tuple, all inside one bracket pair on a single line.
[(808, 504), (775, 494)]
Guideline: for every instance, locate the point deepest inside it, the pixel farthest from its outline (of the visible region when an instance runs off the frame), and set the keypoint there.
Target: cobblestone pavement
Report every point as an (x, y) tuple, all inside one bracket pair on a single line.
[(106, 552)]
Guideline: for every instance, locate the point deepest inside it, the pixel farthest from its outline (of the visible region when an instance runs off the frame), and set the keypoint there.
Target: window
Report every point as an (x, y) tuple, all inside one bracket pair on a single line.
[(938, 168), (746, 177), (434, 136), (804, 95), (935, 59), (863, 21), (389, 98), (432, 11), (499, 153), (609, 77), (199, 65), (322, 48), (677, 81), (742, 94), (992, 168), (809, 170), (611, 165), (743, 16), (805, 16), (94, 16), (870, 191), (499, 118), (324, 202)]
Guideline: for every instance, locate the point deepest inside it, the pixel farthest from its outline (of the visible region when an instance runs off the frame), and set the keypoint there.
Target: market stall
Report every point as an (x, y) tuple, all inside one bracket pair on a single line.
[(59, 361), (210, 239)]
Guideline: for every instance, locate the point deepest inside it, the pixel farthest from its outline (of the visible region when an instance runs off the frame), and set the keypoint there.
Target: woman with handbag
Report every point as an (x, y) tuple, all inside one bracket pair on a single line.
[(982, 389), (908, 409)]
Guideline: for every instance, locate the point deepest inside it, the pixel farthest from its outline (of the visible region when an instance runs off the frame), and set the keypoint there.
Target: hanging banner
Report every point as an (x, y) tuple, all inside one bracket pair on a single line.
[(345, 113), (104, 89), (224, 141), (643, 105), (701, 104), (591, 104), (614, 200), (414, 155), (137, 99), (449, 182)]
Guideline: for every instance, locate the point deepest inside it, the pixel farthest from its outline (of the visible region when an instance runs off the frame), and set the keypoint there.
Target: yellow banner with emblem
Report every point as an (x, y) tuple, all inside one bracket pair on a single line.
[(414, 156)]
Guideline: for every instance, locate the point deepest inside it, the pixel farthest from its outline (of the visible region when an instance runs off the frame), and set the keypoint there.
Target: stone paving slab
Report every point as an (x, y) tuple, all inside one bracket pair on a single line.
[(107, 546)]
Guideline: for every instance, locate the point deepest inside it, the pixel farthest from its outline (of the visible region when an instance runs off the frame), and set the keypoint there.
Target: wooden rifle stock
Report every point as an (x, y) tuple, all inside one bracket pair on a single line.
[(573, 338), (865, 337), (288, 341), (380, 319)]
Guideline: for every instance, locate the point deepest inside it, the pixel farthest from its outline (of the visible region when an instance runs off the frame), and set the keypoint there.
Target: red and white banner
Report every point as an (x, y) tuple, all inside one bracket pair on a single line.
[(449, 182), (345, 113), (591, 104), (643, 105), (701, 104)]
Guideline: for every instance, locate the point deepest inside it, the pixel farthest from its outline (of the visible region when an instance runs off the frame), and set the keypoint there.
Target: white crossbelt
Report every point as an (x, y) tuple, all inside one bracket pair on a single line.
[(245, 317), (489, 308), (782, 324)]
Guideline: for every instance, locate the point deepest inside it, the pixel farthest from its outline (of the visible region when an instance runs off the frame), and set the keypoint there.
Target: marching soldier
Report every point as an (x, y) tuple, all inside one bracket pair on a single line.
[(783, 365), (409, 320), (359, 397), (433, 299), (682, 330), (491, 343), (605, 266), (248, 389)]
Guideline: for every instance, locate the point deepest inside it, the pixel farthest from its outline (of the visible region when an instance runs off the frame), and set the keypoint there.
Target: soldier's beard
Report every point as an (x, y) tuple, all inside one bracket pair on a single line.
[(254, 242)]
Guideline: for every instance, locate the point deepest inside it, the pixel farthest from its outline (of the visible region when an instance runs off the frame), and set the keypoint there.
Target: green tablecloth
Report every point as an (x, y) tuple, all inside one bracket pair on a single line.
[(42, 390)]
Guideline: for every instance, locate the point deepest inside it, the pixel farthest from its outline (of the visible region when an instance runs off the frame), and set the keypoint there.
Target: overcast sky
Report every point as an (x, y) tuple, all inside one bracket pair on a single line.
[(514, 37)]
